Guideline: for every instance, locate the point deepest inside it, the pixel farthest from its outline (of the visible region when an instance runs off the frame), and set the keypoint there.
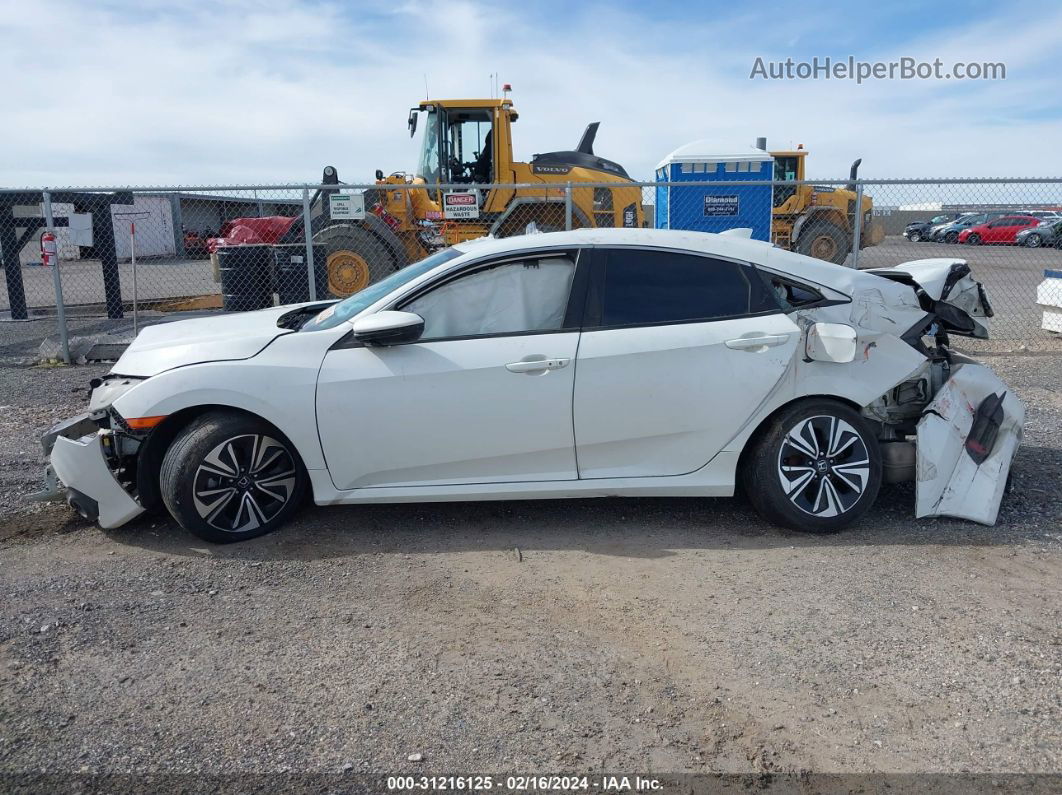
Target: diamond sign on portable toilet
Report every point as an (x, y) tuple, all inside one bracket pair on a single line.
[(715, 201)]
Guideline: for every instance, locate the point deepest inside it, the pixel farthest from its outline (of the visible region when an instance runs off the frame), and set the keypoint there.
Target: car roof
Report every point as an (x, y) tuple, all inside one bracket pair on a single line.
[(728, 246)]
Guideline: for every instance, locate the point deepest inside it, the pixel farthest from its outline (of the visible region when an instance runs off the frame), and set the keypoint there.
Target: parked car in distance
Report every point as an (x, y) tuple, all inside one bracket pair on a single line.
[(589, 363), (918, 230), (931, 232), (1046, 233), (1043, 214), (1002, 230), (949, 232)]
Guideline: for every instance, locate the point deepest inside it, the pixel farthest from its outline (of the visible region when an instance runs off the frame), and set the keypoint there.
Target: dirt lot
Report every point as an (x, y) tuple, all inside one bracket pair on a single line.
[(638, 635)]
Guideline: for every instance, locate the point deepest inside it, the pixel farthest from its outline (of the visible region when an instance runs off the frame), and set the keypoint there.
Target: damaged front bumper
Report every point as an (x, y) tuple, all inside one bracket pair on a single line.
[(966, 440), (77, 460)]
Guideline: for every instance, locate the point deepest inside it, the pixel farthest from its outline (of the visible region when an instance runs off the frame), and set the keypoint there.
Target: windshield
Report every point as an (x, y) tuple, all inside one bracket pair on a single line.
[(428, 164), (343, 311)]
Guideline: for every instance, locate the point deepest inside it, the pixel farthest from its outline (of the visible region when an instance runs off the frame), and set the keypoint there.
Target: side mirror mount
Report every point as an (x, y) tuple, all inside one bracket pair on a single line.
[(830, 342), (412, 123), (388, 328)]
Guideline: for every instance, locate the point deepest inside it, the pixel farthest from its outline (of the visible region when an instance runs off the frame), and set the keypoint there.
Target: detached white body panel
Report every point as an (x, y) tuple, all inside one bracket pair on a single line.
[(949, 481), (79, 464)]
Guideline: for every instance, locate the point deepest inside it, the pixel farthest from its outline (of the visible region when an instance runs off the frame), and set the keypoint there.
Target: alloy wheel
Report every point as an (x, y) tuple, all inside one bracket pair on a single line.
[(243, 483), (823, 466)]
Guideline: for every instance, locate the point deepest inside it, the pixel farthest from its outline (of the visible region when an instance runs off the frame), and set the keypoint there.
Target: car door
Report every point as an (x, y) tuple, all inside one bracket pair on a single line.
[(1020, 224), (483, 396), (677, 351), (999, 230)]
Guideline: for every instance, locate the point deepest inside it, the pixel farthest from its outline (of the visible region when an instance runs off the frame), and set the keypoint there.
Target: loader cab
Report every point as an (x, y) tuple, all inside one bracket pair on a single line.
[(788, 167), (458, 142)]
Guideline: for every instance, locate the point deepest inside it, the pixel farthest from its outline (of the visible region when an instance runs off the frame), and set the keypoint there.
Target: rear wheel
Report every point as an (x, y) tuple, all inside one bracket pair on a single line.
[(974, 239), (951, 237), (356, 257), (823, 240), (229, 477), (816, 468)]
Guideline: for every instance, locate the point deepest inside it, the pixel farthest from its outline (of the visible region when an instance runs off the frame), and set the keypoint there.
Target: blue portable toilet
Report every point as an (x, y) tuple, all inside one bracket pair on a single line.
[(720, 205)]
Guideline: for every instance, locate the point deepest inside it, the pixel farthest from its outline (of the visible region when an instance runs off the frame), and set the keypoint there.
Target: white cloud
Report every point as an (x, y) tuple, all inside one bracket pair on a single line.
[(270, 91)]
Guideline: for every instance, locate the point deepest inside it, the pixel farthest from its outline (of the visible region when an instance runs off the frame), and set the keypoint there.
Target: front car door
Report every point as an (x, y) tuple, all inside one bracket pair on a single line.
[(678, 350), (484, 396), (999, 230)]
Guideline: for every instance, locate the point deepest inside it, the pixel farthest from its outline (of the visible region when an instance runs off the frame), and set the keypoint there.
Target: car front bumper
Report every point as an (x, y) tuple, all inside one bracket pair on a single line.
[(91, 487)]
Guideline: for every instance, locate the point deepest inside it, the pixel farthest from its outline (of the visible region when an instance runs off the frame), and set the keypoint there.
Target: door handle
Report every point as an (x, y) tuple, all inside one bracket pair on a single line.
[(757, 343), (531, 366)]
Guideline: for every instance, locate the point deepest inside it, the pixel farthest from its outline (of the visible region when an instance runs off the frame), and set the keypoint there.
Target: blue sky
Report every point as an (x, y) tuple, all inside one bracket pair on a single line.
[(269, 91)]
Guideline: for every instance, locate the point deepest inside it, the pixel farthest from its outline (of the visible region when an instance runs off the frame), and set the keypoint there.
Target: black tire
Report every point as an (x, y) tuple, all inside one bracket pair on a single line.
[(823, 493), (915, 237), (973, 239), (824, 240), (231, 470), (356, 256), (951, 237), (1034, 241)]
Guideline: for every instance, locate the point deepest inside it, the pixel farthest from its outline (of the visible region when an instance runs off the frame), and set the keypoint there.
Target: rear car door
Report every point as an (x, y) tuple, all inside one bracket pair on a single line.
[(677, 351), (485, 394), (1020, 224)]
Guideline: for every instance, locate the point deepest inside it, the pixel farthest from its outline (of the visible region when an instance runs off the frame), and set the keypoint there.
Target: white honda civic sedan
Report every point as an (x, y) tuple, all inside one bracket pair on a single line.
[(590, 363)]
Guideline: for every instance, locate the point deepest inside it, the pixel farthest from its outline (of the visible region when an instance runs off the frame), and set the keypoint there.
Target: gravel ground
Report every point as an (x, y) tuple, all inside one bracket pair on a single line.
[(668, 635)]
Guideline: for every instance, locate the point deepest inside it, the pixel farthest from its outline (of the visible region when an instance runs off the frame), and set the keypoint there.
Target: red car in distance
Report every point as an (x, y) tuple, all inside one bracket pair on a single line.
[(999, 230)]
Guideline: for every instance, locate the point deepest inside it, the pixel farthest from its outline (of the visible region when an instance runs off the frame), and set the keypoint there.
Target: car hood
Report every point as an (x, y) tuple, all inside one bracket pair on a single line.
[(163, 346)]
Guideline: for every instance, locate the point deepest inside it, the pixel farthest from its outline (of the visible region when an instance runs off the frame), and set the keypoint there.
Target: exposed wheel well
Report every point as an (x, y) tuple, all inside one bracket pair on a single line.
[(153, 449), (765, 423)]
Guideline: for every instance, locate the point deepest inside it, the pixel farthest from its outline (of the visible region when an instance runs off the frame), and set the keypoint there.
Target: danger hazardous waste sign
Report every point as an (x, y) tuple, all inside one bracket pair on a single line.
[(457, 206)]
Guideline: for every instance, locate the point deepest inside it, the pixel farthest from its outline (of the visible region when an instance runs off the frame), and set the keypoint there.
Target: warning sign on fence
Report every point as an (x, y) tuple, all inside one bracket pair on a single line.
[(460, 206), (346, 205)]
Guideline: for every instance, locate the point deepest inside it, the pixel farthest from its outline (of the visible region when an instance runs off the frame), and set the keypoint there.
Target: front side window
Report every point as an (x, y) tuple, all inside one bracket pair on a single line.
[(428, 162), (657, 287), (508, 298), (335, 314)]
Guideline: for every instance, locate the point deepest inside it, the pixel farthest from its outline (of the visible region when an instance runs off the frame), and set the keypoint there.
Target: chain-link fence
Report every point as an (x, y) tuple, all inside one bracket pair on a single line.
[(130, 252)]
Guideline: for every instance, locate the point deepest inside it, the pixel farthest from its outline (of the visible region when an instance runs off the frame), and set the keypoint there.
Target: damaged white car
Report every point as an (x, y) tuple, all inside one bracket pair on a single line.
[(590, 363)]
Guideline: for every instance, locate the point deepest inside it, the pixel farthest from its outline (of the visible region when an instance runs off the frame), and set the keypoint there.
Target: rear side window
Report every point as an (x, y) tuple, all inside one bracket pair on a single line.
[(655, 287)]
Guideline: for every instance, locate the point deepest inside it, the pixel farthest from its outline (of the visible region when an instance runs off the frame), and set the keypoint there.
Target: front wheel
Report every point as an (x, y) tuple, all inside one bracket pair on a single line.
[(816, 468), (229, 477), (1034, 241), (951, 237), (974, 239), (915, 237)]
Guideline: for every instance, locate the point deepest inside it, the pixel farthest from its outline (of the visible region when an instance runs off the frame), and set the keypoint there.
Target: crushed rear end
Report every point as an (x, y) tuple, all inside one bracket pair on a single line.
[(967, 423)]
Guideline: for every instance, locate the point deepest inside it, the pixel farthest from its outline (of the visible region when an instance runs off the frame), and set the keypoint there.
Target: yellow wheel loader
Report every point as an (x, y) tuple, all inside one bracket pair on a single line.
[(467, 142), (818, 220)]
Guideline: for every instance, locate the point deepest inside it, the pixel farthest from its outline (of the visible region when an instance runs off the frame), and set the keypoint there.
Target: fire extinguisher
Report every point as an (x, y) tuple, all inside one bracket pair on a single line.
[(49, 250)]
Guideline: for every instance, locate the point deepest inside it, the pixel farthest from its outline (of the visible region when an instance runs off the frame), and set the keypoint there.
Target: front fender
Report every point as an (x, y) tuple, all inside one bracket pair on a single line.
[(277, 385)]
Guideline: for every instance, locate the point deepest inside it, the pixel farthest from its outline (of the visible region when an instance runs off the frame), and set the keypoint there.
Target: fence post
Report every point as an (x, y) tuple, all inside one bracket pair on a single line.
[(568, 206), (57, 281), (857, 233), (308, 238)]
